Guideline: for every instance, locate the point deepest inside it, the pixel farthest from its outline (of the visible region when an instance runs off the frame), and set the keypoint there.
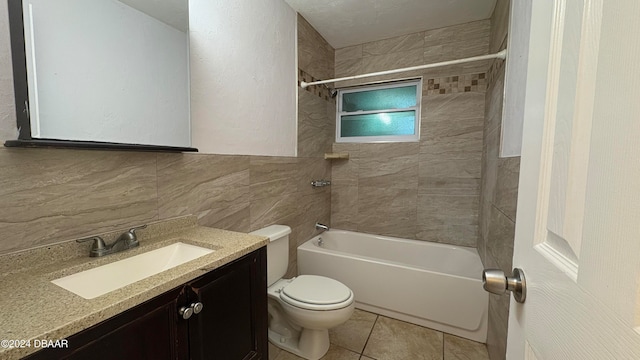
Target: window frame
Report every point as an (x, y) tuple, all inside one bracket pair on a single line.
[(379, 86)]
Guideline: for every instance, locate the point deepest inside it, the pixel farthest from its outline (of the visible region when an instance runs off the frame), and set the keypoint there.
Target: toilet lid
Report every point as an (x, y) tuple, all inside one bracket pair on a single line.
[(316, 290)]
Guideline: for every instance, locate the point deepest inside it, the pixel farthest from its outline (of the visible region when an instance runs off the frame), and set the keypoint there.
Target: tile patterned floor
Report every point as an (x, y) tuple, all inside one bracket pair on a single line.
[(368, 336)]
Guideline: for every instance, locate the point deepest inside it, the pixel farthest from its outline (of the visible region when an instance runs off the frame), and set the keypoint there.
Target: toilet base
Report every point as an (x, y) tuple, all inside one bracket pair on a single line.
[(308, 343)]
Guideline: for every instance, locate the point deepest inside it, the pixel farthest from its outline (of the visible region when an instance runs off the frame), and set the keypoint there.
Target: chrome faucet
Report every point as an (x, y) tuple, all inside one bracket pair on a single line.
[(320, 183), (126, 240), (322, 227)]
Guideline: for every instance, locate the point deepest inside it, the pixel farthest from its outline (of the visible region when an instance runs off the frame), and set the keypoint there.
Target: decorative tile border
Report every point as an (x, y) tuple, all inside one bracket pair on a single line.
[(318, 90), (456, 84)]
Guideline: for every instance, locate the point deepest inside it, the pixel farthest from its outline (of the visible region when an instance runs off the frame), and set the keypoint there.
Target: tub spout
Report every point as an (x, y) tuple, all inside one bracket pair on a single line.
[(322, 227)]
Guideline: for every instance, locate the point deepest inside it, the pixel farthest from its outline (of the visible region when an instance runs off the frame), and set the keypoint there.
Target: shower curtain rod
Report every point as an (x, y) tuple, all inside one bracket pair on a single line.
[(499, 55)]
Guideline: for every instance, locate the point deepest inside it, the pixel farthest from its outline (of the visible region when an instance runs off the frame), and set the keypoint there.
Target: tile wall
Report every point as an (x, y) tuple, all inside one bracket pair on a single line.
[(53, 195), (499, 189), (427, 190), (316, 108)]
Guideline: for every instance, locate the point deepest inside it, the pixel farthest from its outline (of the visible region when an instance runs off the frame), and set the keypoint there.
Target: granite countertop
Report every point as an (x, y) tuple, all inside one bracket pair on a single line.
[(33, 308)]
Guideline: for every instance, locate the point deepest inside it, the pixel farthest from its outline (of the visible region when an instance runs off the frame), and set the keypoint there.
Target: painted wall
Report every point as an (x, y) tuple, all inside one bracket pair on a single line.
[(243, 66), (103, 91), (426, 190), (499, 190), (52, 195)]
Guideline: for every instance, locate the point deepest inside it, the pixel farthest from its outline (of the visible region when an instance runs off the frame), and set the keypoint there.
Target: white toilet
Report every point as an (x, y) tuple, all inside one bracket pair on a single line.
[(304, 308)]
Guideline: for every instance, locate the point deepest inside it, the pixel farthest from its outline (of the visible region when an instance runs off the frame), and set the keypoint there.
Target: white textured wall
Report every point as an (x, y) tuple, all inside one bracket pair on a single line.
[(243, 77), (8, 129)]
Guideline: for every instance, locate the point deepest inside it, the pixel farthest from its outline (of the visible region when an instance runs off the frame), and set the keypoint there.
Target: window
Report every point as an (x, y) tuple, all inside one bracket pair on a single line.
[(379, 113)]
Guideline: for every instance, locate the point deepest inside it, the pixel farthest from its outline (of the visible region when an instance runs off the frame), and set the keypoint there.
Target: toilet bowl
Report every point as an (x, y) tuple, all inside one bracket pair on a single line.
[(304, 308)]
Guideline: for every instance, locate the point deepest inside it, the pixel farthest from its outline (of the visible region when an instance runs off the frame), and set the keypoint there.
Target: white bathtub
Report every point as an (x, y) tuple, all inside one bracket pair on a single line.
[(429, 284)]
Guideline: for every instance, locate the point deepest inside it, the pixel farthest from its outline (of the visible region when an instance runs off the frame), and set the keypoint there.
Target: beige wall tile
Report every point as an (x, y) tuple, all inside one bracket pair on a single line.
[(271, 176), (489, 179), (315, 55), (494, 102), (388, 165), (452, 106), (506, 197), (313, 208), (449, 176), (476, 30), (392, 61), (348, 67), (315, 126), (316, 115), (278, 209), (500, 237), (499, 25), (350, 52), (457, 146), (232, 216), (345, 172), (201, 184), (387, 211), (55, 195), (344, 207), (396, 44), (448, 219)]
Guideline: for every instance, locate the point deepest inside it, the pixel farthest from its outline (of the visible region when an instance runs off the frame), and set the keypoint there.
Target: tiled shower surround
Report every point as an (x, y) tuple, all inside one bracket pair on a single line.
[(426, 190)]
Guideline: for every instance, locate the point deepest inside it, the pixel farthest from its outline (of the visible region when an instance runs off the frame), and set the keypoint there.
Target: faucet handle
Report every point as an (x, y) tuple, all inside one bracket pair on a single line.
[(98, 243), (133, 230)]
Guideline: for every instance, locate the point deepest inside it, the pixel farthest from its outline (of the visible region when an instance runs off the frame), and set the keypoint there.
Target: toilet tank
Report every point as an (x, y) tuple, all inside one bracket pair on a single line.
[(277, 251)]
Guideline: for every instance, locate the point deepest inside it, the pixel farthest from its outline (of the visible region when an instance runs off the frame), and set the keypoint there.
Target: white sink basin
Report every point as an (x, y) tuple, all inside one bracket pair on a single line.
[(103, 279)]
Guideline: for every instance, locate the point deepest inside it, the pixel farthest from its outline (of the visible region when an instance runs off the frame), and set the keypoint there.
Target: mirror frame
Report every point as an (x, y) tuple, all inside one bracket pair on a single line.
[(20, 85)]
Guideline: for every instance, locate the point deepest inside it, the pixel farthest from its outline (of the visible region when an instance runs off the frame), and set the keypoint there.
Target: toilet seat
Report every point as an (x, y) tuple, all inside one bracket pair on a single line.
[(313, 292)]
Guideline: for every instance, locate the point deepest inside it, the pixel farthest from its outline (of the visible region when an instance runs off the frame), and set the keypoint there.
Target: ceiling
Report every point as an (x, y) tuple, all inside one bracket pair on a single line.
[(350, 22)]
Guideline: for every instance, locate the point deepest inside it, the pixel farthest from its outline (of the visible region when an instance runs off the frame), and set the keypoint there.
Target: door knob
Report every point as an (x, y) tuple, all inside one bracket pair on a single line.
[(495, 282)]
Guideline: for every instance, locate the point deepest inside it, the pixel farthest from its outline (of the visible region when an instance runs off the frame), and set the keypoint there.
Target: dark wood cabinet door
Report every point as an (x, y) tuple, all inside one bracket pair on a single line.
[(233, 322), (148, 331)]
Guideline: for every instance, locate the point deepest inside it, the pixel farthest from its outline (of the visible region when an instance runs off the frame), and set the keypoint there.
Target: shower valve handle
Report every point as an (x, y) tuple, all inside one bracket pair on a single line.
[(495, 282)]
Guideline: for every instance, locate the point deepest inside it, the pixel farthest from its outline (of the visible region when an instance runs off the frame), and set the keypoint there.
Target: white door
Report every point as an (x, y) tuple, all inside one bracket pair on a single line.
[(578, 222)]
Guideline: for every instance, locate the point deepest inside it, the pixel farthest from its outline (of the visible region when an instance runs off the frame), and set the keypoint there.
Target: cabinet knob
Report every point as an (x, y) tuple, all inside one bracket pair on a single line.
[(186, 312), (197, 307)]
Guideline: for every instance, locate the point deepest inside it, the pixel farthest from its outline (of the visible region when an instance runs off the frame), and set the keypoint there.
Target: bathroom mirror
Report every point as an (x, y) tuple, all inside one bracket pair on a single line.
[(101, 73)]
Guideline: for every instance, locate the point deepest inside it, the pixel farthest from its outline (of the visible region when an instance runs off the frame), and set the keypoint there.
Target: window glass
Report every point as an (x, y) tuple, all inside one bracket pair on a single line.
[(394, 98), (379, 113), (389, 123)]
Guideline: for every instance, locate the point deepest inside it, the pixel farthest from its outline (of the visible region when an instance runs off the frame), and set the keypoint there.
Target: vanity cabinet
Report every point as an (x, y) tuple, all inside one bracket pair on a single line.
[(232, 324)]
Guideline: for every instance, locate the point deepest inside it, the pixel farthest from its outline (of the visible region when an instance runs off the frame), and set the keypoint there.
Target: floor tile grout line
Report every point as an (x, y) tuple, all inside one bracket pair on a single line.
[(369, 336)]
